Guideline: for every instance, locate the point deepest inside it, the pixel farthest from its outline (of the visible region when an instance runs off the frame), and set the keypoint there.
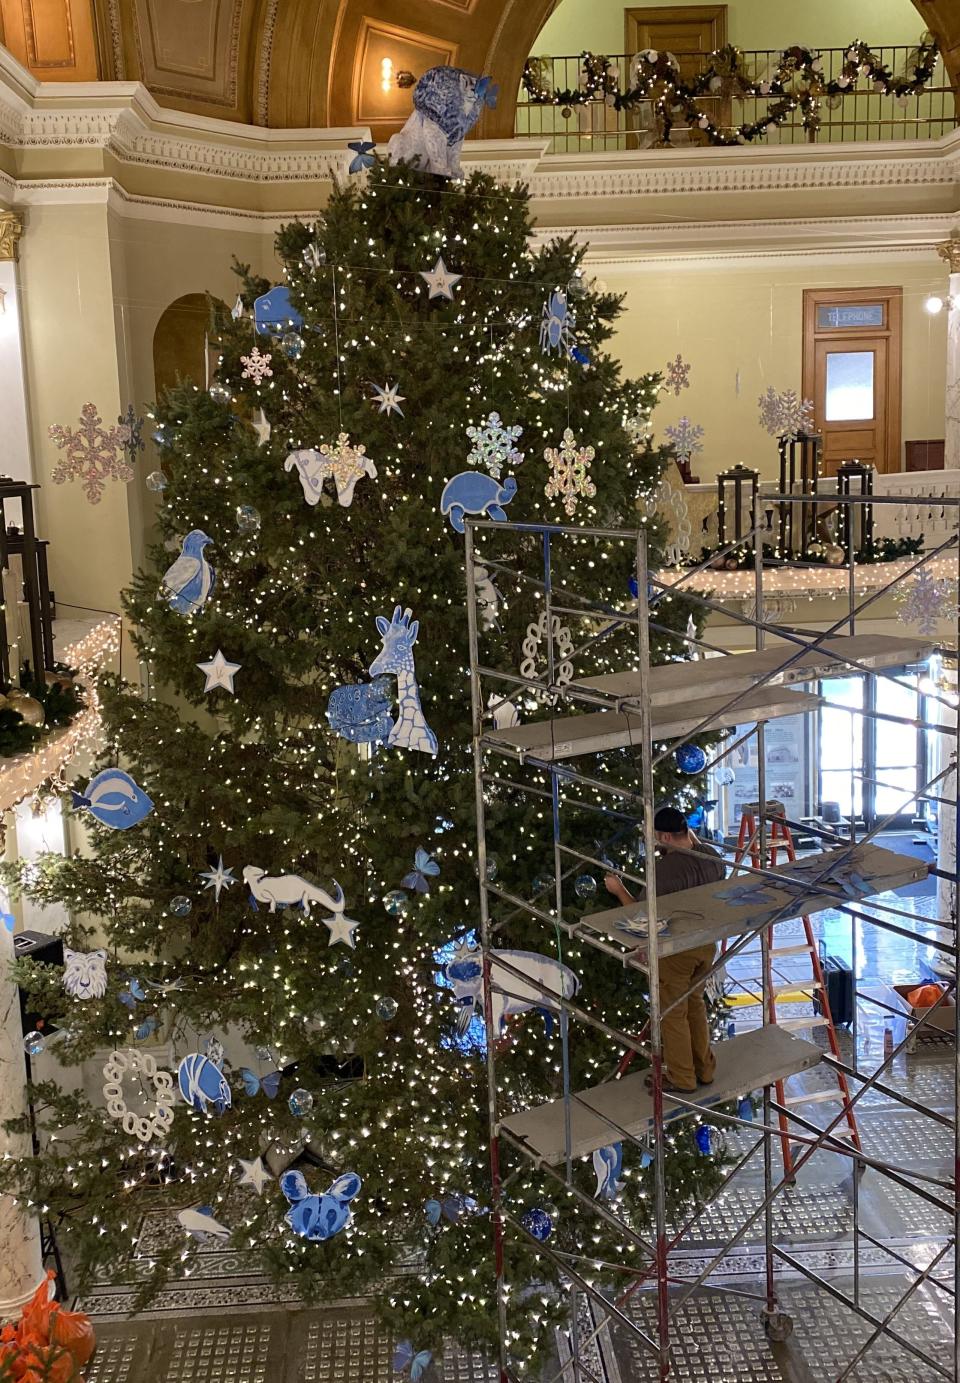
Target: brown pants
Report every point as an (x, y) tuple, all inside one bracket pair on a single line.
[(687, 1056)]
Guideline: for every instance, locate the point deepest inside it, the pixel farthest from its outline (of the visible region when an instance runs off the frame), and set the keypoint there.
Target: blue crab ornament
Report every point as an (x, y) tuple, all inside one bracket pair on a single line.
[(318, 1217), (473, 493)]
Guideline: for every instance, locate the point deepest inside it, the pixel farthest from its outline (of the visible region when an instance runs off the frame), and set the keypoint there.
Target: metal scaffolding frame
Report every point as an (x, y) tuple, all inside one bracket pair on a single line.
[(628, 711)]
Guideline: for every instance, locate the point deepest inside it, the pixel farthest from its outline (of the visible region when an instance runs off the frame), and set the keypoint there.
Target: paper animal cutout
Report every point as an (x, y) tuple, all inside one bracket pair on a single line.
[(346, 463), (608, 1164), (406, 1357), (424, 866), (447, 103), (188, 584), (362, 150), (410, 731), (288, 891), (253, 1084), (511, 995), (470, 492), (202, 1083), (274, 313), (318, 1217), (360, 712), (114, 799), (85, 973), (198, 1221)]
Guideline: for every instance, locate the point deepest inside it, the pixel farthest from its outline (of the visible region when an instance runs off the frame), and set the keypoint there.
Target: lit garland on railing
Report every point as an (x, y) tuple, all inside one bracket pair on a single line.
[(23, 774), (794, 579), (656, 77)]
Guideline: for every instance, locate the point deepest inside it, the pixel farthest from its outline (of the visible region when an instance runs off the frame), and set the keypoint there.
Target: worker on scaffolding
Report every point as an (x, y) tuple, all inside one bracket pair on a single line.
[(683, 861)]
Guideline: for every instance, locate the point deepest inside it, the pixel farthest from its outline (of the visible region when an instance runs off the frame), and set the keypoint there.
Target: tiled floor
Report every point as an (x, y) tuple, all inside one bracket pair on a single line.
[(228, 1324)]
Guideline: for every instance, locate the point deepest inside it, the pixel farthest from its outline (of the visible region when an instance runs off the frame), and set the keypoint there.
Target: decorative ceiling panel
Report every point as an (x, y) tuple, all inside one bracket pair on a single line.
[(190, 47)]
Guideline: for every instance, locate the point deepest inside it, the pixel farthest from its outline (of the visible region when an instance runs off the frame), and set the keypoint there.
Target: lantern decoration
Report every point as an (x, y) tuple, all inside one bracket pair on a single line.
[(855, 479), (735, 508), (800, 459)]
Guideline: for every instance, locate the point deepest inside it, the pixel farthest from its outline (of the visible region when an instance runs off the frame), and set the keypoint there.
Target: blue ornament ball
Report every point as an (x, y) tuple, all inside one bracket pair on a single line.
[(300, 1103), (724, 776), (539, 1224), (180, 906), (248, 518), (541, 883), (396, 902), (704, 1137), (157, 482), (386, 1008), (292, 344), (585, 886), (34, 1043), (690, 758)]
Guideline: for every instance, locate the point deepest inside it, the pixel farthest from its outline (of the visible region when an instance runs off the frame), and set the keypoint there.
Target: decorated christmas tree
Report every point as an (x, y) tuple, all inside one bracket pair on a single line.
[(264, 943)]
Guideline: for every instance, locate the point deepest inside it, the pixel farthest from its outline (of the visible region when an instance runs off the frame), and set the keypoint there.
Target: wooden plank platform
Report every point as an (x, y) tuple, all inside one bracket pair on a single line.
[(697, 916), (681, 683), (598, 1115), (566, 736)]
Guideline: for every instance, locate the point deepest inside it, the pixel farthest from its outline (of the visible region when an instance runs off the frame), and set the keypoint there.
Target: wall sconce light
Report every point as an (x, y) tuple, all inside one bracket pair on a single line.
[(935, 304), (386, 74)]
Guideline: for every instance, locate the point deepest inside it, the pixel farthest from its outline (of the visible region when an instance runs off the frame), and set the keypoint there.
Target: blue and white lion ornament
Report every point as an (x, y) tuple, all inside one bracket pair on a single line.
[(447, 103)]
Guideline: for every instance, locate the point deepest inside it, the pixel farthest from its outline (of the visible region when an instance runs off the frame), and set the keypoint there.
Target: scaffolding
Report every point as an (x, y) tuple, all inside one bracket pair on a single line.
[(652, 711)]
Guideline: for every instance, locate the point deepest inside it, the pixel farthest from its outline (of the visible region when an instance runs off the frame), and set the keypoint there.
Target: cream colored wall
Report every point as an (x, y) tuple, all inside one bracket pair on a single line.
[(599, 25), (747, 322)]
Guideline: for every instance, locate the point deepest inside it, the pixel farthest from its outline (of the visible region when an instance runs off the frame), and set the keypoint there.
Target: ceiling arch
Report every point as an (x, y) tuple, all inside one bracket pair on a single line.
[(305, 63)]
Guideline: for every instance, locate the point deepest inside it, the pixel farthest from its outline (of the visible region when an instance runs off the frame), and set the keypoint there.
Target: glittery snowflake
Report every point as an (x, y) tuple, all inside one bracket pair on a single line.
[(677, 375), (94, 454), (493, 446), (570, 472), (134, 425), (926, 600), (256, 366), (785, 414), (638, 428), (685, 437), (347, 462)]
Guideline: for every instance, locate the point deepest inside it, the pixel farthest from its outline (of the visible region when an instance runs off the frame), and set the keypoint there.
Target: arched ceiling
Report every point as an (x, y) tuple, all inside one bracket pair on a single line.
[(303, 63)]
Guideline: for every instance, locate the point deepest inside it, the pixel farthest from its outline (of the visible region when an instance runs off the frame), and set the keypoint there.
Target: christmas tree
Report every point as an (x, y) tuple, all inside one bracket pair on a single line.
[(317, 603)]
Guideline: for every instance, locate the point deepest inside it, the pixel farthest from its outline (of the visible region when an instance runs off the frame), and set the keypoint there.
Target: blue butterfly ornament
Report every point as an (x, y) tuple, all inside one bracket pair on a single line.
[(424, 867), (405, 1357), (253, 1084)]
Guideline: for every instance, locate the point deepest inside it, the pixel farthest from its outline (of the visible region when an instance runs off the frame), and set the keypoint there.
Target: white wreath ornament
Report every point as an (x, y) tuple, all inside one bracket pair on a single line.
[(134, 1063)]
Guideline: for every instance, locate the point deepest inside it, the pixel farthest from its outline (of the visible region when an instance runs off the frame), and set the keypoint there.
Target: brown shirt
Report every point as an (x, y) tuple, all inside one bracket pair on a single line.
[(678, 869)]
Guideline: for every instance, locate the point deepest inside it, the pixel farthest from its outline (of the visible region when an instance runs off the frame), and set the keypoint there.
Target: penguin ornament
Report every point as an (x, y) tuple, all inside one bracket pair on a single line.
[(188, 584)]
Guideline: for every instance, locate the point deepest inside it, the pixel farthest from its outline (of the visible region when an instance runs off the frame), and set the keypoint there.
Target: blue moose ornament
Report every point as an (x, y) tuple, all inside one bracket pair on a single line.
[(318, 1217), (447, 103)]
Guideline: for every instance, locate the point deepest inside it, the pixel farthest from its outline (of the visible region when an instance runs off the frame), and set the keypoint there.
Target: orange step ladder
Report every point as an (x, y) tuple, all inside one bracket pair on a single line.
[(779, 839)]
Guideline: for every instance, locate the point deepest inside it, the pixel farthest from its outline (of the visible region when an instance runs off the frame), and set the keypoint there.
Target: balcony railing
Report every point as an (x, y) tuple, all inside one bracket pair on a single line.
[(859, 114)]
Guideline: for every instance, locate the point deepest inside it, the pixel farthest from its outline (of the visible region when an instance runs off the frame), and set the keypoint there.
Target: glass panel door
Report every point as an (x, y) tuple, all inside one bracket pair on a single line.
[(849, 393), (841, 748), (897, 749)]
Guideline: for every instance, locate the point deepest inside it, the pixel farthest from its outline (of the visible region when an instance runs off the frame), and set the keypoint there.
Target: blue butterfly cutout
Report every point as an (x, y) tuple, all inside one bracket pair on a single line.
[(253, 1084), (452, 1207), (363, 155), (404, 1357), (424, 865), (132, 993), (148, 1026)]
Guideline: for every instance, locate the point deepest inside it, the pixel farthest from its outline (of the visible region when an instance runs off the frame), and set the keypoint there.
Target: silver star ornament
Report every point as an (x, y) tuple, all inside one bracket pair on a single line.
[(440, 281), (219, 673)]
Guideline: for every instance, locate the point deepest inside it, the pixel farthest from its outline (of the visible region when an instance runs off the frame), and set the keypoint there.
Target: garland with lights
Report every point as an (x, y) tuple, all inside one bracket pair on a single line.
[(817, 554), (369, 1072), (797, 84)]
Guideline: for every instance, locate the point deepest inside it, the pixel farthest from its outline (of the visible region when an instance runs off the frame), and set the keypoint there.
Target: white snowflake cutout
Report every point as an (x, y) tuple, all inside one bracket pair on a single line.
[(256, 366)]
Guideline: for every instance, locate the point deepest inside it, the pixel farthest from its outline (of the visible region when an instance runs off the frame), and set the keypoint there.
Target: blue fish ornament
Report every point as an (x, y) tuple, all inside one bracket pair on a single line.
[(114, 799), (360, 712), (203, 1084), (274, 313), (318, 1217), (188, 584), (608, 1164)]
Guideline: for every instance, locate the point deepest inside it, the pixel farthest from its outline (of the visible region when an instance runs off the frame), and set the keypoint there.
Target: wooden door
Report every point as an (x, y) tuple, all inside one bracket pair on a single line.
[(686, 31), (851, 371)]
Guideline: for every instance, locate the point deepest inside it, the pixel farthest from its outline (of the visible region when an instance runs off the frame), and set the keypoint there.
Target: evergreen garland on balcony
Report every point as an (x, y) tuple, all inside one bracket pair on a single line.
[(797, 84)]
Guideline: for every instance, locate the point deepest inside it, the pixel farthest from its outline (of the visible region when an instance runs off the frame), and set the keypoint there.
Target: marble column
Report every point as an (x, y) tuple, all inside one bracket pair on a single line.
[(17, 456), (21, 1267), (949, 250)]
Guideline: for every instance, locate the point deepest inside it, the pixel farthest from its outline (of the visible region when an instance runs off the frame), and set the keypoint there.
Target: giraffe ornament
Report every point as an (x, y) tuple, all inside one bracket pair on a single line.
[(410, 730)]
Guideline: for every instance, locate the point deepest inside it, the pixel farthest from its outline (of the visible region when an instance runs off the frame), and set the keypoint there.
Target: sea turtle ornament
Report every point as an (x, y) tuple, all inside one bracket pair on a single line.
[(472, 492)]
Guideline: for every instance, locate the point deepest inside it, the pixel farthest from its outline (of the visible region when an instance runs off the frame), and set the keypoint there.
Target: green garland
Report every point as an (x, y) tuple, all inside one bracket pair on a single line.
[(797, 84), (60, 701), (879, 550)]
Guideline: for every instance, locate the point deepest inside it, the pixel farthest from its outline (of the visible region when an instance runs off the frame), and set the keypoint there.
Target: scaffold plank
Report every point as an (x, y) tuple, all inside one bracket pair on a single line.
[(604, 1113), (673, 683), (698, 916), (563, 737)]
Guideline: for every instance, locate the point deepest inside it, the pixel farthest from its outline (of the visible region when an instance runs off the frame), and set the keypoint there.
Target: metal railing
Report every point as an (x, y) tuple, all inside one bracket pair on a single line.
[(859, 114)]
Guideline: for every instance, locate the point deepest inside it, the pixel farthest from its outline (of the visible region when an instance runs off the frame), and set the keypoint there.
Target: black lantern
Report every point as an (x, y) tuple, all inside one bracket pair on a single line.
[(736, 498), (20, 540), (800, 459), (856, 520)]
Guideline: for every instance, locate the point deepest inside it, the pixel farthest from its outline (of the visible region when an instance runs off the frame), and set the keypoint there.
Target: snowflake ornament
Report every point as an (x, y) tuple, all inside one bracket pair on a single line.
[(132, 421), (256, 366), (685, 437), (347, 462), (638, 428), (677, 375), (493, 446), (570, 476), (785, 414), (94, 454), (926, 600)]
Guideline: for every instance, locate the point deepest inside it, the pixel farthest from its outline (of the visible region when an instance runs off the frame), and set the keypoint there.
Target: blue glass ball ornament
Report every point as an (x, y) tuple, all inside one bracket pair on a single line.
[(724, 776), (248, 518), (386, 1008), (576, 286), (492, 870), (263, 1053), (537, 1223), (690, 758), (745, 1109), (219, 392), (585, 886), (396, 902), (34, 1043), (292, 344), (180, 906), (300, 1103), (542, 883), (157, 482)]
